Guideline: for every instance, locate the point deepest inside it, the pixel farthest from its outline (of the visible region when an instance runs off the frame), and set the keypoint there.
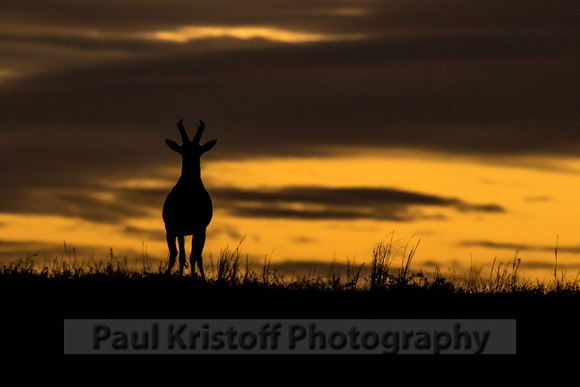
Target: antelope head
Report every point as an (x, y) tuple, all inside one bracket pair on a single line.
[(190, 150)]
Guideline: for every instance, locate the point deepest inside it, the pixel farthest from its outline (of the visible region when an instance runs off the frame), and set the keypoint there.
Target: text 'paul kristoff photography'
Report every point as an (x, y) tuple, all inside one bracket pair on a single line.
[(289, 336)]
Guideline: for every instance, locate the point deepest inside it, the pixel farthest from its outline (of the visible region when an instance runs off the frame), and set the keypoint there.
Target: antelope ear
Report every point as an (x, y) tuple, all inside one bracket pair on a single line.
[(173, 145), (207, 146)]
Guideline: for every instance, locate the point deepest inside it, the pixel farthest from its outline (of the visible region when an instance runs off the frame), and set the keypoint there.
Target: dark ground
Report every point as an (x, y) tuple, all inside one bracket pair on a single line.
[(34, 310)]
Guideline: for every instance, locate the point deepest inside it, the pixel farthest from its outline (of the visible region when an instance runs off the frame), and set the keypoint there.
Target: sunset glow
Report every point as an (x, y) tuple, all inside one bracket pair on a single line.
[(532, 221), (337, 126), (186, 34)]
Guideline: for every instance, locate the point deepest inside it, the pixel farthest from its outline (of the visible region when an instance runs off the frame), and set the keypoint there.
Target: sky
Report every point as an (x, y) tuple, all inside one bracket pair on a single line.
[(340, 125)]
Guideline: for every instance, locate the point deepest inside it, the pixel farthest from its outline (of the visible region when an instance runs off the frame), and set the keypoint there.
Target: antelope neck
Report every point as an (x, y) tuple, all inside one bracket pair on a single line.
[(190, 171)]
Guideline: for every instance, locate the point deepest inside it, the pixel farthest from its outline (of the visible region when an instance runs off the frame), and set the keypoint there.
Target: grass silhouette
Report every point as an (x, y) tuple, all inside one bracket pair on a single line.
[(388, 287), (389, 269)]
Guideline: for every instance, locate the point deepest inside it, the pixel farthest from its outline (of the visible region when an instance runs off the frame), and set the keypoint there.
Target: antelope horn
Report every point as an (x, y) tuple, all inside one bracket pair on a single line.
[(199, 132), (184, 137)]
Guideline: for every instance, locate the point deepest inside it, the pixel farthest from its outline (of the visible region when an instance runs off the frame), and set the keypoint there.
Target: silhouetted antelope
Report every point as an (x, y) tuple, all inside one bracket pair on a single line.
[(188, 209)]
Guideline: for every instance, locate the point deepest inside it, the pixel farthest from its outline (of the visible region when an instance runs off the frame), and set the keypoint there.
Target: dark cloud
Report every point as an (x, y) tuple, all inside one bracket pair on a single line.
[(301, 239), (38, 251), (454, 78), (86, 98), (549, 264), (101, 205), (318, 203), (232, 232), (145, 14), (145, 234), (444, 94), (114, 205), (519, 247), (13, 249), (537, 199)]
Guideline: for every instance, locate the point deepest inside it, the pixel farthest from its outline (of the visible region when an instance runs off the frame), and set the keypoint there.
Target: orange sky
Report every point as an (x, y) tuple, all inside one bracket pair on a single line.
[(540, 210), (338, 123)]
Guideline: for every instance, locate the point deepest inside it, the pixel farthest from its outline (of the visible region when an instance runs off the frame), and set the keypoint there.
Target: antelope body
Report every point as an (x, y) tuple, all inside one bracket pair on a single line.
[(188, 208)]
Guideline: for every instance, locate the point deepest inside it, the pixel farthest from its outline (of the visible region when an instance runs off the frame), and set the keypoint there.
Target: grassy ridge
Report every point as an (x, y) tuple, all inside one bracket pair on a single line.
[(389, 269), (42, 295)]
